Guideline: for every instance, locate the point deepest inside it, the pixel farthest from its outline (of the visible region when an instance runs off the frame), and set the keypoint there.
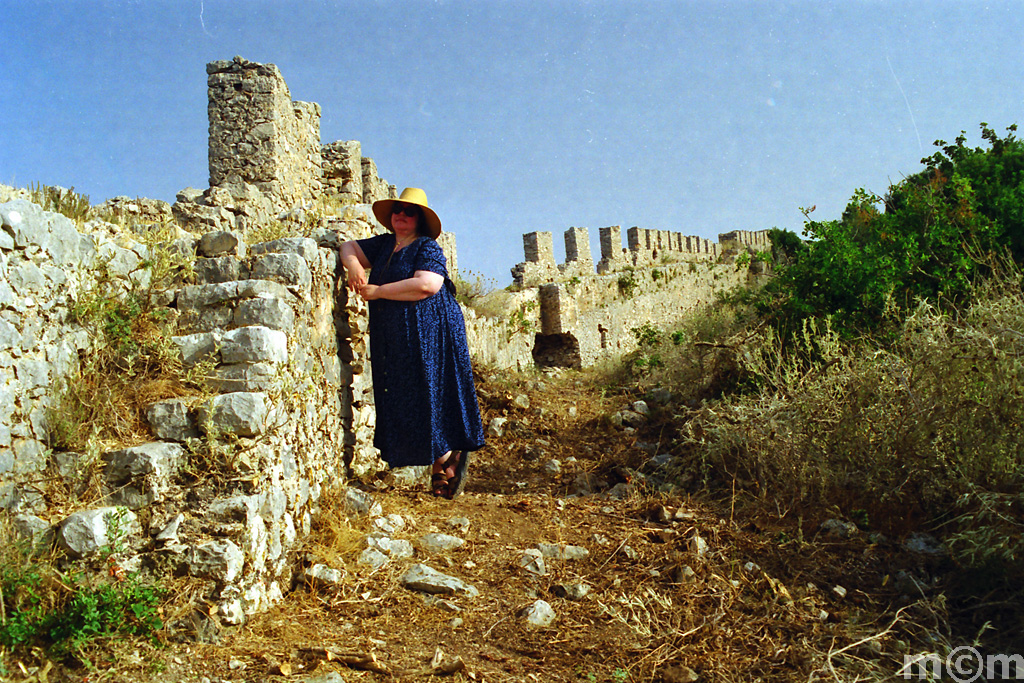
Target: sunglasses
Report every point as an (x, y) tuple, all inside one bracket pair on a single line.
[(408, 209)]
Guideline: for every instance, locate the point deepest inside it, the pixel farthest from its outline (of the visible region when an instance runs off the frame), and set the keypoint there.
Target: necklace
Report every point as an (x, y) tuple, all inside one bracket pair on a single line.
[(398, 245)]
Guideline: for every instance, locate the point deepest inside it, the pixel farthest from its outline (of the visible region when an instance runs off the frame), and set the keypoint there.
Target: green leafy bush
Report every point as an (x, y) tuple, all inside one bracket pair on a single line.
[(62, 611), (926, 239)]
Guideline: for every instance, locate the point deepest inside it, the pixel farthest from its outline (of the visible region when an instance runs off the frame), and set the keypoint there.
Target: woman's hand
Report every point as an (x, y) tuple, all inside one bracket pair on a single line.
[(369, 292), (356, 263), (356, 278)]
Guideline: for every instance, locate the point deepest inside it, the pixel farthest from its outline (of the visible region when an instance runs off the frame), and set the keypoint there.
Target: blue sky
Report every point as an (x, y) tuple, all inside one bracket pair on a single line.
[(694, 116)]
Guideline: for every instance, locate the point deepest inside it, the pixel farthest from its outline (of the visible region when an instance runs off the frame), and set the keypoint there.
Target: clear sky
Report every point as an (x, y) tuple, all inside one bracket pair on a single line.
[(698, 116)]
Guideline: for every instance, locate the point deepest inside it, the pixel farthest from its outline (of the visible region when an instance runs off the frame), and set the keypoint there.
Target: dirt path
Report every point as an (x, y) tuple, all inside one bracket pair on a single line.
[(675, 589)]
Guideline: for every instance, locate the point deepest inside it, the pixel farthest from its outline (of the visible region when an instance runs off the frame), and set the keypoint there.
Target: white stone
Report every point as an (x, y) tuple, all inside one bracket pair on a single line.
[(87, 531), (538, 615)]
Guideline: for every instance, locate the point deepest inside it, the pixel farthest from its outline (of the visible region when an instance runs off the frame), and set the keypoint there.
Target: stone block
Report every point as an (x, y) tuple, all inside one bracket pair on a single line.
[(240, 413), (254, 344), (246, 377), (218, 560), (171, 420), (220, 269), (142, 475), (29, 455), (198, 347), (288, 269), (270, 312), (88, 531), (301, 246), (422, 578), (222, 243)]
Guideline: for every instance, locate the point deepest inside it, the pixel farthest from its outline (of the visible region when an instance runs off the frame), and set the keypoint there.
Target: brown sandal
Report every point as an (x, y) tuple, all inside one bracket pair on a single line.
[(457, 482), (439, 485)]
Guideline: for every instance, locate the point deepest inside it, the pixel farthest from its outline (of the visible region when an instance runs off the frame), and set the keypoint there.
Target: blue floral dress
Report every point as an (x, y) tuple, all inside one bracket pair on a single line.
[(422, 377)]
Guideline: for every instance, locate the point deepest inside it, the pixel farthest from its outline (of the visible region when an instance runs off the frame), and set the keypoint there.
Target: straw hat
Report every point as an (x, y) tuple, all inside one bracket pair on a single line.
[(410, 195)]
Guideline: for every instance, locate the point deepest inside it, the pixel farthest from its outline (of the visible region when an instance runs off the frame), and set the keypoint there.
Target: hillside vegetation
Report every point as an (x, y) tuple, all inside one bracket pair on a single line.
[(879, 375)]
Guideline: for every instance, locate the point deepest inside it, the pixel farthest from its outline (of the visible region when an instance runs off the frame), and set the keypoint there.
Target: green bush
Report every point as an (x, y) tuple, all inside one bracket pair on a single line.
[(926, 239), (62, 611)]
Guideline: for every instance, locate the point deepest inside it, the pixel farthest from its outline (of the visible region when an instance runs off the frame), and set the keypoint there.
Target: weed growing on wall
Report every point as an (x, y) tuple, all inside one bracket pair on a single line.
[(471, 288), (627, 283), (132, 362), (519, 321), (66, 202)]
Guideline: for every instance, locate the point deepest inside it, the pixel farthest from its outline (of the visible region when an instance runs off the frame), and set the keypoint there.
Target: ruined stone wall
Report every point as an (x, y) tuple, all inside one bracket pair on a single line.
[(265, 155), (593, 318), (506, 341), (44, 264), (645, 248), (291, 418), (259, 136)]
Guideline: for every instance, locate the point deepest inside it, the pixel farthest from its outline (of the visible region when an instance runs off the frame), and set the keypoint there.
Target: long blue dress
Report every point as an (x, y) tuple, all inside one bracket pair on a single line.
[(422, 377)]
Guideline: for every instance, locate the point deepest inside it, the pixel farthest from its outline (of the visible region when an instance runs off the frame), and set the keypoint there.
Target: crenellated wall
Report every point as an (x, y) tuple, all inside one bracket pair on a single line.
[(663, 276), (645, 248)]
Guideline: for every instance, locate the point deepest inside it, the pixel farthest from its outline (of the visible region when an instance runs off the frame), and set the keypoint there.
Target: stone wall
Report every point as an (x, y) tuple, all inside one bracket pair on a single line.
[(292, 415), (583, 315), (44, 264), (265, 154)]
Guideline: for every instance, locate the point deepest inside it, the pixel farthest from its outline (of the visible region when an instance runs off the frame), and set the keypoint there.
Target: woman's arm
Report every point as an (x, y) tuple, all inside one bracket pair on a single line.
[(421, 285), (356, 263)]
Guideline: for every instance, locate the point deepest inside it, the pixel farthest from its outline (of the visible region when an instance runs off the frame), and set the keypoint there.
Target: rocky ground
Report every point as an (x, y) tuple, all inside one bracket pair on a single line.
[(569, 558)]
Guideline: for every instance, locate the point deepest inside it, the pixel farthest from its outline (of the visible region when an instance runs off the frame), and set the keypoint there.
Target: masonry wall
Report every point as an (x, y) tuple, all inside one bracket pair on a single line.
[(266, 159), (292, 416), (44, 264), (586, 313)]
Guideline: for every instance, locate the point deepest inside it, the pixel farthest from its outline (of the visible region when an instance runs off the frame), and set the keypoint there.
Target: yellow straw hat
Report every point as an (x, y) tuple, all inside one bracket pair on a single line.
[(410, 195)]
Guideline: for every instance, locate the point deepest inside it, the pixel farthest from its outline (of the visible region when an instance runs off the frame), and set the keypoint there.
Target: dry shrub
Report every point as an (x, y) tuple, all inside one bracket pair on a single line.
[(908, 431), (696, 360), (332, 538)]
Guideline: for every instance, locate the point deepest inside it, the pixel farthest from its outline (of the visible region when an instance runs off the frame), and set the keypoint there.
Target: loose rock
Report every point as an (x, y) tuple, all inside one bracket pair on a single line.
[(538, 615), (420, 577)]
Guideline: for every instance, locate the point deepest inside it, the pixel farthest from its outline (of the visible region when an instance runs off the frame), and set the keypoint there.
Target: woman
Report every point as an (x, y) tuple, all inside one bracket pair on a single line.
[(427, 412)]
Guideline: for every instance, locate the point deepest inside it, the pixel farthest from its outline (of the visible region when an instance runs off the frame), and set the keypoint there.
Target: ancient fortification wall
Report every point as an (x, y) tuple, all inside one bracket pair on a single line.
[(290, 415), (583, 313), (266, 158)]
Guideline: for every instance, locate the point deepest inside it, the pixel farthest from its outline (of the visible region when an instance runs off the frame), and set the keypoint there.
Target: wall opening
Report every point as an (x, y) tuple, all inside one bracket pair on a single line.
[(557, 350)]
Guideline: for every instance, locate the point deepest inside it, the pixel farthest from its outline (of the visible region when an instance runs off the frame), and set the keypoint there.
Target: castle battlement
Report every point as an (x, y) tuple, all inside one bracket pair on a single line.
[(645, 248)]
